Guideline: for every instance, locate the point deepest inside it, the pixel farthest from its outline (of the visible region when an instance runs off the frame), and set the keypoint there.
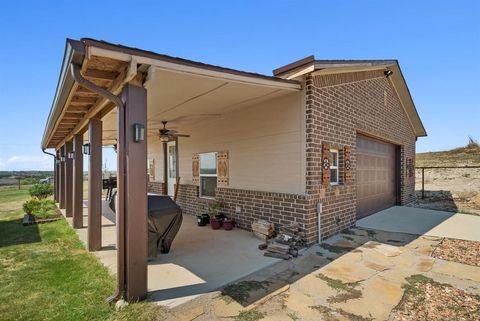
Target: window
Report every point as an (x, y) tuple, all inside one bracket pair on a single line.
[(208, 174), (334, 167)]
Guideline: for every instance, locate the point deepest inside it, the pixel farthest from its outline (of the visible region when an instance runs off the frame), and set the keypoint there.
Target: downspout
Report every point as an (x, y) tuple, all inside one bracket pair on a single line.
[(131, 73), (54, 172)]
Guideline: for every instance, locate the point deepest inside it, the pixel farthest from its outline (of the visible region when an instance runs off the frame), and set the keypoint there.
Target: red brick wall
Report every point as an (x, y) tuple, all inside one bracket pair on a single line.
[(278, 208), (156, 187), (337, 108)]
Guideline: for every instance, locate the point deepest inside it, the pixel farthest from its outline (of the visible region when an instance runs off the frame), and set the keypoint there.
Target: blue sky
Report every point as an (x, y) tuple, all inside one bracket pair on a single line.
[(436, 42)]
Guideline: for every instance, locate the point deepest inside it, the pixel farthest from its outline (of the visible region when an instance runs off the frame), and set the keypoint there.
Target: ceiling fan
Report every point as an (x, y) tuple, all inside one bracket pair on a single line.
[(167, 135)]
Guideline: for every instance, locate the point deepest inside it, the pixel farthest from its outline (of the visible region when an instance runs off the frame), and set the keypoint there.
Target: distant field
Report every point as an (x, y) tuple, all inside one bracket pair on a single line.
[(450, 189), (463, 156)]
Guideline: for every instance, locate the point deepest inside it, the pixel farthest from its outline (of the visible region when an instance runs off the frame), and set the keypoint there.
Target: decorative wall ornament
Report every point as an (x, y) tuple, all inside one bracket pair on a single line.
[(222, 169), (348, 165), (326, 164), (195, 170), (347, 168)]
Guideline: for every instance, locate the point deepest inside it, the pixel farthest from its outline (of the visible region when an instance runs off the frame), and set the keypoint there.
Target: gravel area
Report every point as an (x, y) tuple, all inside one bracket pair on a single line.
[(425, 299), (466, 252)]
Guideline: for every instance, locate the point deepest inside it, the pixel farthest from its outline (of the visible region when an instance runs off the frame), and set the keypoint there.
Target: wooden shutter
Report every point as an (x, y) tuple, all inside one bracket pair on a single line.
[(326, 164), (222, 169), (151, 170), (195, 170), (347, 165)]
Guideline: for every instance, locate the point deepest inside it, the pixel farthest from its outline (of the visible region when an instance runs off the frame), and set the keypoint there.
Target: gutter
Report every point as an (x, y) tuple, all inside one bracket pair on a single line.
[(74, 52), (121, 226)]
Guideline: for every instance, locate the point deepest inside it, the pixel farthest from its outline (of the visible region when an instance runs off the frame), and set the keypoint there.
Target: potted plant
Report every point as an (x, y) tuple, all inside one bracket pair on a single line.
[(212, 211), (228, 223), (203, 219), (29, 207)]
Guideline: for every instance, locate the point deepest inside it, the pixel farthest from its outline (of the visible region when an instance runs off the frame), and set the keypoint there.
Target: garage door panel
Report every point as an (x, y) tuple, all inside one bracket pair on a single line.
[(375, 176)]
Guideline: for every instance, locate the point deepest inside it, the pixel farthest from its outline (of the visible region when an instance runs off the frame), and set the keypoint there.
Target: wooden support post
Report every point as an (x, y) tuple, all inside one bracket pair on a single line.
[(94, 239), (78, 181), (165, 169), (55, 178), (61, 179), (423, 183), (68, 180), (132, 190)]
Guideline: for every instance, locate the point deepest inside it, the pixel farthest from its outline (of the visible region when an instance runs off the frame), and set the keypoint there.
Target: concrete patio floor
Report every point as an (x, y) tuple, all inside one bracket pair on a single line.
[(201, 260), (420, 221)]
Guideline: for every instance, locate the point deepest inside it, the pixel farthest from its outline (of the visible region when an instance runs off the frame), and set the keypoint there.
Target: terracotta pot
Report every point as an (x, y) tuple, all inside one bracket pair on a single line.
[(215, 223), (228, 224)]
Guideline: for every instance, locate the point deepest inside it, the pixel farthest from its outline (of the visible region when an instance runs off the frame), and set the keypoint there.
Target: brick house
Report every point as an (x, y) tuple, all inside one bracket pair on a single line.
[(358, 115), (321, 143)]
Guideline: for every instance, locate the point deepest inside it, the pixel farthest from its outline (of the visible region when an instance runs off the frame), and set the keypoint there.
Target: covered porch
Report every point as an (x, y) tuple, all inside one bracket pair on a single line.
[(110, 95), (201, 260)]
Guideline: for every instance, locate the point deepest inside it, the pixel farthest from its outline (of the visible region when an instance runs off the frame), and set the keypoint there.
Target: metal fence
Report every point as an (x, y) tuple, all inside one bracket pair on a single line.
[(423, 168)]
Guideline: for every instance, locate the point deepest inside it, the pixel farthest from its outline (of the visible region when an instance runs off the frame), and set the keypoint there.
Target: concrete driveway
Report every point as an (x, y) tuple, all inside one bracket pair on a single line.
[(419, 221)]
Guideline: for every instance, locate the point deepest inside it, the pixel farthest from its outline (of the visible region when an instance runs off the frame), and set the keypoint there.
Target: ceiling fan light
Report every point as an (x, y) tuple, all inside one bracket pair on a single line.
[(164, 138)]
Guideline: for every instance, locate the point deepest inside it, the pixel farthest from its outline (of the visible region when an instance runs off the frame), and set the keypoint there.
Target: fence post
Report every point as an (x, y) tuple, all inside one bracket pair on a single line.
[(18, 183), (423, 182)]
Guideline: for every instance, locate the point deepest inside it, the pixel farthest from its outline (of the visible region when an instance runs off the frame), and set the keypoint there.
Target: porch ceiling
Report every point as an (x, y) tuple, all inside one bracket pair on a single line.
[(179, 90), (183, 99)]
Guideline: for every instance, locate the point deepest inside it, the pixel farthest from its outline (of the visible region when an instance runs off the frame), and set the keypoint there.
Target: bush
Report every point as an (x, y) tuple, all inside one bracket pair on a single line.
[(41, 208), (41, 191), (46, 209), (32, 206)]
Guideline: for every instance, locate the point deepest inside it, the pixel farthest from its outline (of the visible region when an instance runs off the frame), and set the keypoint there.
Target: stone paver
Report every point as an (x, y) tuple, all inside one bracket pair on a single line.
[(365, 282)]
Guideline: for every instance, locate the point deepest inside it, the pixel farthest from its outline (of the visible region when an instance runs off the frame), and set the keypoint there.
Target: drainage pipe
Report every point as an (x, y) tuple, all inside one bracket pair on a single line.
[(121, 273), (54, 172)]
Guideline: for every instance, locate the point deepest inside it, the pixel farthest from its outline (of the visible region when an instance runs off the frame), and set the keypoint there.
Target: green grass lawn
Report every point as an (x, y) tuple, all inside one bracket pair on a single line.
[(46, 274)]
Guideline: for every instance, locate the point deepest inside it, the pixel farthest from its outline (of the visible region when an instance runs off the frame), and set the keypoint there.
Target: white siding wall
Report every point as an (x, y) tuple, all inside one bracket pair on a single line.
[(265, 144)]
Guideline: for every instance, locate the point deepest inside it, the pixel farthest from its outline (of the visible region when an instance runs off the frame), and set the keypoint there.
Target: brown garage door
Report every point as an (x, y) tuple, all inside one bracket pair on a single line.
[(376, 188)]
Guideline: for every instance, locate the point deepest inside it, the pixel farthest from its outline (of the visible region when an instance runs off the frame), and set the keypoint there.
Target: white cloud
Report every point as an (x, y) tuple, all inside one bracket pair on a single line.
[(27, 162)]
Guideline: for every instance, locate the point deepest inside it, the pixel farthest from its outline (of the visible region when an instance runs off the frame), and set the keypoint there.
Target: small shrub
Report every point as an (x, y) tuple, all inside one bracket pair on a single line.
[(212, 208), (41, 191), (46, 209), (472, 143), (32, 206)]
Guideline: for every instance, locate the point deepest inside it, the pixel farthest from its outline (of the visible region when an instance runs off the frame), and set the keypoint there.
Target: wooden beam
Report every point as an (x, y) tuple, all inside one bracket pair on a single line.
[(68, 180), (100, 74), (61, 180), (69, 122), (72, 116), (94, 239), (81, 91), (135, 194), (78, 182), (115, 89), (77, 109), (82, 101)]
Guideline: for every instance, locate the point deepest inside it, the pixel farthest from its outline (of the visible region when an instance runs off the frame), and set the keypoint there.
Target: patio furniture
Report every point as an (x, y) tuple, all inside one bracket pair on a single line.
[(164, 221)]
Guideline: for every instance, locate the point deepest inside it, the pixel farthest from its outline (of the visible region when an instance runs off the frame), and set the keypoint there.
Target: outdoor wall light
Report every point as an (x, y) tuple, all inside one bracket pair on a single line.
[(388, 73), (71, 155), (62, 158), (139, 131), (86, 149)]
